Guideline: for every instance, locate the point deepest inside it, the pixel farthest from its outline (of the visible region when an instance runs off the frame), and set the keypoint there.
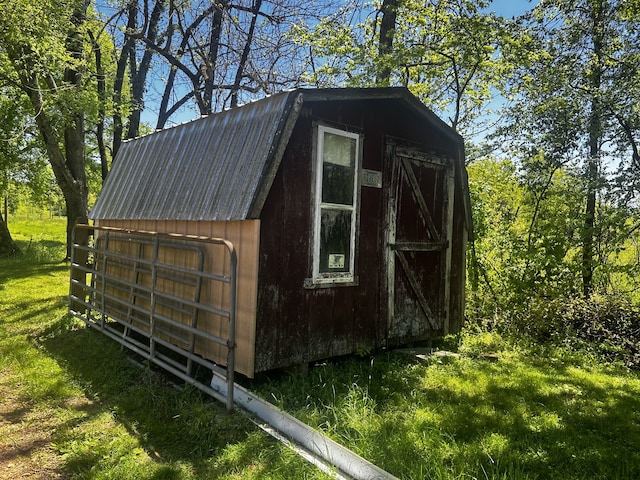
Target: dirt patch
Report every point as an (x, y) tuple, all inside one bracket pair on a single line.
[(25, 440)]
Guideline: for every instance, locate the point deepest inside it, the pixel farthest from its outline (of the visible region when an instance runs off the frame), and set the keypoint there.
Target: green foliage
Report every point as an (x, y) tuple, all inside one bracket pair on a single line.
[(606, 327), (448, 53), (37, 36), (22, 158), (527, 238), (524, 241)]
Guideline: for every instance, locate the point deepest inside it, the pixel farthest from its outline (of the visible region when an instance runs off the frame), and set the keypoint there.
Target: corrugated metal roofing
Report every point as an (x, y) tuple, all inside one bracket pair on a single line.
[(208, 169), (220, 167)]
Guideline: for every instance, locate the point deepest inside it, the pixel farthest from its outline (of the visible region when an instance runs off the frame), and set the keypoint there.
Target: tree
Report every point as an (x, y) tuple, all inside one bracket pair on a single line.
[(44, 44), (131, 21), (447, 52), (208, 55), (526, 226), (576, 99)]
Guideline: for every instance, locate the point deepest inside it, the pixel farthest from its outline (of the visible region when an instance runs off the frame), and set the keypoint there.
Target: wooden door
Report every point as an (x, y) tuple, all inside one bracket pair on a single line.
[(417, 244)]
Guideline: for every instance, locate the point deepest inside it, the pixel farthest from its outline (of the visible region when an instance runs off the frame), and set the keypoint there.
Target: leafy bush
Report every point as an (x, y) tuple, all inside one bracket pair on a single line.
[(606, 326)]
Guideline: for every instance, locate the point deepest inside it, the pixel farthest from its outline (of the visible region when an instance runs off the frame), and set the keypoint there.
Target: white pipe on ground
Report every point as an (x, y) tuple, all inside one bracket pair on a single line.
[(337, 460)]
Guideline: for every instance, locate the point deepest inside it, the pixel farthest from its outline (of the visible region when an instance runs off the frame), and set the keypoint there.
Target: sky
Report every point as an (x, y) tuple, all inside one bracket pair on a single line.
[(512, 8)]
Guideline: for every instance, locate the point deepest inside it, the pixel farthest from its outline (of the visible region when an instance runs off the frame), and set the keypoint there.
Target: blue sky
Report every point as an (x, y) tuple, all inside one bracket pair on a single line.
[(512, 8)]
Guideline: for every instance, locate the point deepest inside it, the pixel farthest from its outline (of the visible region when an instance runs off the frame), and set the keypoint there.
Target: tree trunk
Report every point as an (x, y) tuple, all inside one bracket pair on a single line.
[(102, 100), (385, 41), (211, 61), (139, 72), (77, 193), (588, 228), (593, 162), (7, 246), (118, 83)]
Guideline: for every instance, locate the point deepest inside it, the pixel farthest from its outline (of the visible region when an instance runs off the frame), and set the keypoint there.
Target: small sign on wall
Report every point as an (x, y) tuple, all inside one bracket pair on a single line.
[(336, 260), (371, 178)]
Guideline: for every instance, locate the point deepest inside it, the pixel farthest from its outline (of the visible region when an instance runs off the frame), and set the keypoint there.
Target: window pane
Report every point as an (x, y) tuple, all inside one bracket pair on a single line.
[(338, 169), (335, 240), (339, 149), (337, 184)]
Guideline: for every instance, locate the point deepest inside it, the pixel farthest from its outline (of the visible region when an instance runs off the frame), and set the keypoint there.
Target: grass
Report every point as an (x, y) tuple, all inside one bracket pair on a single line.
[(529, 415), (73, 406)]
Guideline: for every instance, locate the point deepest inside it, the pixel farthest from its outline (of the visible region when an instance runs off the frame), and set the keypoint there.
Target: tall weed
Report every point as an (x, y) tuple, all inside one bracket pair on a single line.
[(605, 326)]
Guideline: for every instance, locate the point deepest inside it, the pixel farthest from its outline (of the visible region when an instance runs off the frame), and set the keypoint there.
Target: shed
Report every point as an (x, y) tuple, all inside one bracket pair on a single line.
[(349, 210)]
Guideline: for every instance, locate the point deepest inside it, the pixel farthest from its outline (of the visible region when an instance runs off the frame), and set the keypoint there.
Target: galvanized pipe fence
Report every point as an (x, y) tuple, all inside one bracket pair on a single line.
[(145, 291)]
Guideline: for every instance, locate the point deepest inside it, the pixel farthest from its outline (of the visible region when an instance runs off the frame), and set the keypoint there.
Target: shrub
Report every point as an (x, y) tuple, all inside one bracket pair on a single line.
[(606, 326)]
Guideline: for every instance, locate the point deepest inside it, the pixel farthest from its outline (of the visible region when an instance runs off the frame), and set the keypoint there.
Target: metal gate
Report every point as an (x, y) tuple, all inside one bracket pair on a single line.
[(145, 290)]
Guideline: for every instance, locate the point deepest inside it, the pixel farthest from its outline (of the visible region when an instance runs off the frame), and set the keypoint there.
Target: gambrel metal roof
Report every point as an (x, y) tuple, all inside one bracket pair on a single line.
[(208, 169), (221, 167)]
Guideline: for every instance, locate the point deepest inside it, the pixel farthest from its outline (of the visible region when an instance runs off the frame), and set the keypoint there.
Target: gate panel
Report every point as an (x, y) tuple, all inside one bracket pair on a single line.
[(144, 291)]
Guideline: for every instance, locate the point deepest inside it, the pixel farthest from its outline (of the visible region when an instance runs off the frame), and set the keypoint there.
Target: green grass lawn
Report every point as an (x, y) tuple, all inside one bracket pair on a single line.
[(525, 416), (73, 406)]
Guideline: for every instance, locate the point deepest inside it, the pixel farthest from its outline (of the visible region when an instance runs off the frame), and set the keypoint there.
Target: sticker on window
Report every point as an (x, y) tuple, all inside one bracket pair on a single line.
[(336, 260)]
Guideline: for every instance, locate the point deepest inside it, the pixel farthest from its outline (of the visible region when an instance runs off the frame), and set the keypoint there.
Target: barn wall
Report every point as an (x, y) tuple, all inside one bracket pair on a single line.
[(245, 237), (297, 324)]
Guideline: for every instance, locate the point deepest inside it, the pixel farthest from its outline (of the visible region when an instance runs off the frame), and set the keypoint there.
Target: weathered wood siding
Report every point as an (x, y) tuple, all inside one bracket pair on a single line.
[(297, 324)]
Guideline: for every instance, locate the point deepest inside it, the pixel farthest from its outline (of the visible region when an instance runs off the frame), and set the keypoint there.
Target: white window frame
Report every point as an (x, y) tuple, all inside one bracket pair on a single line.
[(348, 277)]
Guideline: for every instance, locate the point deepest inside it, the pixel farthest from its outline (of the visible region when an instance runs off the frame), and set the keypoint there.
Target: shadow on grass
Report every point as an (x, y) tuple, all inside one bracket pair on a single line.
[(37, 251), (175, 426), (475, 419), (16, 268), (551, 422), (35, 309)]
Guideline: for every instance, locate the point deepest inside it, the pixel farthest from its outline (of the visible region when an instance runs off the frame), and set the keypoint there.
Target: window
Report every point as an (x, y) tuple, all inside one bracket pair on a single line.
[(336, 203)]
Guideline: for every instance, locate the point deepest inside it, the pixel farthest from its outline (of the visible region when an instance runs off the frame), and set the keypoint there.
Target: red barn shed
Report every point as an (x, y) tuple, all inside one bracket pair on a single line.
[(349, 210)]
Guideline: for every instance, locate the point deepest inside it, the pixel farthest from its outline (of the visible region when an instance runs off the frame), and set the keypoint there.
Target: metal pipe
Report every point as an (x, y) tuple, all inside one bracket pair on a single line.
[(152, 306), (348, 463), (231, 355)]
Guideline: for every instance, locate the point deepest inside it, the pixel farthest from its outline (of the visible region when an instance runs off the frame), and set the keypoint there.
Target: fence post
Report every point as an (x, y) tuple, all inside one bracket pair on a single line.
[(231, 344), (80, 237)]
